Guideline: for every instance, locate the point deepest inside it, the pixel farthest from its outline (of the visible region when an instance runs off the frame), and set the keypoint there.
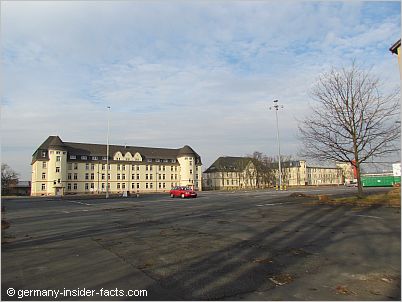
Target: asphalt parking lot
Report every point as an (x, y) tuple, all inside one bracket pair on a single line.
[(256, 245)]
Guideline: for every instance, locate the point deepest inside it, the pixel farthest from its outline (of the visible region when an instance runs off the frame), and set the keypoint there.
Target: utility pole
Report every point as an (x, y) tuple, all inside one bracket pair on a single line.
[(107, 153), (276, 107)]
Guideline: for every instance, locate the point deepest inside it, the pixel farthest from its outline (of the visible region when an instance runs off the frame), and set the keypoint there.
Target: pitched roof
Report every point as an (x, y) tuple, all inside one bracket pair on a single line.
[(394, 48), (100, 150), (229, 164)]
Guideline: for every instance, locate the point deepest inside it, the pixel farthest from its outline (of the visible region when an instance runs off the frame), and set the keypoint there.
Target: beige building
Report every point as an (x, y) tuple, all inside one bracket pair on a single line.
[(230, 173), (60, 168)]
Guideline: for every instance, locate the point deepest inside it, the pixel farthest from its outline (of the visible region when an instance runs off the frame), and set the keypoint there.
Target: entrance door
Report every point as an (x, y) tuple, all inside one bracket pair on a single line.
[(59, 191)]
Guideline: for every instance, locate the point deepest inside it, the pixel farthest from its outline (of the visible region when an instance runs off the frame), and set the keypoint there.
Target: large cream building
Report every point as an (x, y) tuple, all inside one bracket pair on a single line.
[(60, 168), (229, 173)]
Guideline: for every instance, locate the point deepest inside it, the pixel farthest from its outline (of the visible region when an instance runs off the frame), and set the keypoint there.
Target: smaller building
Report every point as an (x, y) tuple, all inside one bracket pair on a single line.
[(20, 188), (230, 173)]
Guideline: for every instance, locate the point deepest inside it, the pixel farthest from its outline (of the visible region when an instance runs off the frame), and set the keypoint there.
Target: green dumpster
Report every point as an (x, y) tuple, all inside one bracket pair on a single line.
[(380, 181)]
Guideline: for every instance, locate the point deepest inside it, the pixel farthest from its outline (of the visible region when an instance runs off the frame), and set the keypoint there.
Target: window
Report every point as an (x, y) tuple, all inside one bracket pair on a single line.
[(157, 160), (123, 185), (57, 169), (94, 158), (146, 176), (149, 160), (57, 152), (191, 171), (86, 175), (70, 166), (103, 186), (75, 166), (69, 186), (132, 185), (173, 160), (123, 176), (75, 176), (138, 176), (164, 176), (132, 176), (151, 185), (138, 168), (84, 157), (103, 176), (160, 186), (164, 185), (43, 153), (150, 176), (92, 176), (146, 185), (118, 176), (104, 158), (108, 176), (171, 168), (43, 175), (138, 185), (165, 160), (86, 186), (44, 165), (118, 185), (75, 186), (118, 167), (160, 176), (69, 176), (58, 158), (51, 152), (72, 157), (150, 167), (92, 166), (92, 186), (86, 166), (123, 167), (43, 187)]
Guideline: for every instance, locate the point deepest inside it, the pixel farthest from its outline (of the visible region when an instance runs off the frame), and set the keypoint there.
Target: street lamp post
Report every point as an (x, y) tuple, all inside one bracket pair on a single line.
[(276, 107), (107, 153)]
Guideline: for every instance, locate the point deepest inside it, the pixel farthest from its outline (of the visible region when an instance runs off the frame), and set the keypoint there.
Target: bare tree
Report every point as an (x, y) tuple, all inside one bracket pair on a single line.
[(8, 176), (352, 119)]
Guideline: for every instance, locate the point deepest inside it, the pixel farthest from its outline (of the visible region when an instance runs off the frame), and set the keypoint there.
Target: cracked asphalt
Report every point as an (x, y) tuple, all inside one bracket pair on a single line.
[(256, 245)]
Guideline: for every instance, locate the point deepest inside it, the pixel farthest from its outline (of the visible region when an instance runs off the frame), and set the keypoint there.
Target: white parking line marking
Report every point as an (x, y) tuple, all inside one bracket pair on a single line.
[(272, 204), (368, 216), (87, 204)]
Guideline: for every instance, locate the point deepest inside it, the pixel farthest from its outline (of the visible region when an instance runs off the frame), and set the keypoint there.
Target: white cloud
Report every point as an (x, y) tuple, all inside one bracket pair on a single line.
[(198, 73)]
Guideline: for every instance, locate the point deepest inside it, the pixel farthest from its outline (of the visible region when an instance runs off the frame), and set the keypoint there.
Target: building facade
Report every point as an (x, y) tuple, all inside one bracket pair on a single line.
[(60, 168), (231, 173)]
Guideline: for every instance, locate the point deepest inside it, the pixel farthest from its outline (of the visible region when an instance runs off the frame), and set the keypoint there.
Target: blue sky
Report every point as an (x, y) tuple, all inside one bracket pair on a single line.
[(202, 73)]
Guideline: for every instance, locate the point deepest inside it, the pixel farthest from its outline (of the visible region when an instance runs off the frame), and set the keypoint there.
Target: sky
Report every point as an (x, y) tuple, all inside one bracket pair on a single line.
[(175, 73)]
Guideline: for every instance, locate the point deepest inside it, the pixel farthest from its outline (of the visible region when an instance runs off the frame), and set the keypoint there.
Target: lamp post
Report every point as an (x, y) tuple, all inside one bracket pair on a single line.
[(107, 153), (276, 107)]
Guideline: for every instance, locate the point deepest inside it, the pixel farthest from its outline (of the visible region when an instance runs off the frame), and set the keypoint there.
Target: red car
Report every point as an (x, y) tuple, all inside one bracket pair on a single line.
[(182, 192)]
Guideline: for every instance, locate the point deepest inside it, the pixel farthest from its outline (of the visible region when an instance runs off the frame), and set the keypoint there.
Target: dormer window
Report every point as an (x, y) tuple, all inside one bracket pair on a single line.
[(43, 153), (149, 160), (73, 157), (104, 158), (94, 158), (83, 157)]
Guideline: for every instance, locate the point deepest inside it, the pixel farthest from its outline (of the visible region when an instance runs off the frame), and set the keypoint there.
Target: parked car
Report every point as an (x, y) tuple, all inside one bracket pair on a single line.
[(182, 192)]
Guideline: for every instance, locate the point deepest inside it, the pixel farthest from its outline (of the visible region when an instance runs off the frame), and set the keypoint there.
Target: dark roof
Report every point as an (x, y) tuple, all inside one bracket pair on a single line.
[(394, 48), (100, 150), (229, 164)]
